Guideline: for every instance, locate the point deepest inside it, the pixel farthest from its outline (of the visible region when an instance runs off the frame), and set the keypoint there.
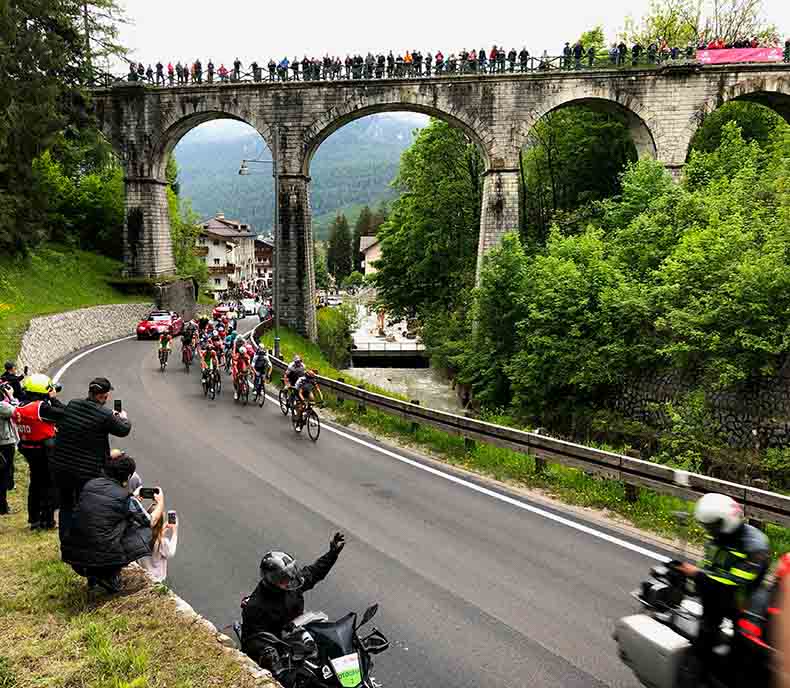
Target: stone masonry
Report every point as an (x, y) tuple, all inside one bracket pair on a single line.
[(661, 107), (52, 337)]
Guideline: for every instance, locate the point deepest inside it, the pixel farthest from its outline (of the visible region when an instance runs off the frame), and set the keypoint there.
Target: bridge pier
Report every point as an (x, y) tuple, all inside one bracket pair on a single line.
[(147, 247), (296, 279), (499, 210)]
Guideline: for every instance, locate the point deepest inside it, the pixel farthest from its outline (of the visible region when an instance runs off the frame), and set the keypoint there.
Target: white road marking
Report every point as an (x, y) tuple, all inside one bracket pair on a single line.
[(587, 530), (501, 497), (70, 363)]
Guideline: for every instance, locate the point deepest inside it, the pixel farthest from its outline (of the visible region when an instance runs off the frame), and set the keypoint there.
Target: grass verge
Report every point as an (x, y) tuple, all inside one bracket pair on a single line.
[(50, 280), (651, 512), (57, 634)]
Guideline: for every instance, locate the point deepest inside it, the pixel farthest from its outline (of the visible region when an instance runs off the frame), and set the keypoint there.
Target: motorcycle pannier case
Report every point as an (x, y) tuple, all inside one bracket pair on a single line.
[(652, 650)]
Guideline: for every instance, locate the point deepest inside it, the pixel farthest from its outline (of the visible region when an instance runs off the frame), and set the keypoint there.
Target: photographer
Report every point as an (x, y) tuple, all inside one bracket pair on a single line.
[(82, 445), (164, 539), (35, 419), (8, 439), (110, 528)]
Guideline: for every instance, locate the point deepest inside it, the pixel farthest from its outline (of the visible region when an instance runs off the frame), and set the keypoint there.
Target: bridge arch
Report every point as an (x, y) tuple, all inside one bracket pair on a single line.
[(643, 125), (336, 118)]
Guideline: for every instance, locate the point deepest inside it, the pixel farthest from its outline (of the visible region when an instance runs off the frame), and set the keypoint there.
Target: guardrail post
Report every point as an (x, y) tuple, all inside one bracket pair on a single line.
[(338, 395), (632, 491), (361, 404), (540, 463), (469, 443), (415, 426), (762, 485)]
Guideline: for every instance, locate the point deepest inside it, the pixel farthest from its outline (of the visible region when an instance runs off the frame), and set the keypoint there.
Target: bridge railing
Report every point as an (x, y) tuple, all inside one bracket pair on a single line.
[(758, 504), (534, 64)]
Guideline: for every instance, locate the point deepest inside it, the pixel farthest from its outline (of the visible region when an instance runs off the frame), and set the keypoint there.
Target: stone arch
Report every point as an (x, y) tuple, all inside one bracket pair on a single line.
[(337, 117), (643, 124), (176, 124), (772, 91)]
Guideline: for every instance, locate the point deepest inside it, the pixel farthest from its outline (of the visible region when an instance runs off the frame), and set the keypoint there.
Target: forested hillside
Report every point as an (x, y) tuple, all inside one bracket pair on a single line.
[(353, 167)]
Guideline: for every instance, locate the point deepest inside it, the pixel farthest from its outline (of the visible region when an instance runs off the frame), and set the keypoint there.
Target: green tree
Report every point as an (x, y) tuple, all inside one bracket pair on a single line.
[(757, 123), (321, 271), (429, 241), (338, 256), (594, 38)]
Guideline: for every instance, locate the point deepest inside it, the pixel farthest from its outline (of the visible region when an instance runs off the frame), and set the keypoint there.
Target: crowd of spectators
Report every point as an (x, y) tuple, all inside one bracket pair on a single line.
[(415, 64), (95, 491)]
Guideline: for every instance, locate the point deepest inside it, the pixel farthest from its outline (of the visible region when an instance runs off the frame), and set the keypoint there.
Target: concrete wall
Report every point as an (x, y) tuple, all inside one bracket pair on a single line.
[(52, 337), (178, 296)]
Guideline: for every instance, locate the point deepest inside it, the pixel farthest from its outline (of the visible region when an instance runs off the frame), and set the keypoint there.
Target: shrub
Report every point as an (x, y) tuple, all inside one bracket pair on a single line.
[(334, 333)]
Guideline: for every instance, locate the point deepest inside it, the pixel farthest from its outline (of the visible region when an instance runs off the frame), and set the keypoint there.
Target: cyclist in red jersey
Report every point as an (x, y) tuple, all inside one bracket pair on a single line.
[(241, 364)]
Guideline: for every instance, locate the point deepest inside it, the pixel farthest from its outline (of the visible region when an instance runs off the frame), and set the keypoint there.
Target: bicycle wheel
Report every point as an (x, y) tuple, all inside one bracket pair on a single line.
[(261, 394), (205, 384), (313, 425), (212, 390), (244, 392), (283, 399), (218, 381)]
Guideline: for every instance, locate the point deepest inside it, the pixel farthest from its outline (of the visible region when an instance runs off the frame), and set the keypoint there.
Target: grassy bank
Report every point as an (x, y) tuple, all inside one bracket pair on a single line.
[(51, 280), (650, 512), (57, 634)]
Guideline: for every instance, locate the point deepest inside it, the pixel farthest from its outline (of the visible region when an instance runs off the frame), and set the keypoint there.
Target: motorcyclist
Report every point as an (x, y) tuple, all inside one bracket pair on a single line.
[(735, 561), (279, 598)]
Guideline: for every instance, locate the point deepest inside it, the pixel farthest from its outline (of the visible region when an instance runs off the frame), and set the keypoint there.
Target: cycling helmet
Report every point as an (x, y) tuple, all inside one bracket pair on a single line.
[(38, 384), (718, 513), (280, 570), (297, 358)]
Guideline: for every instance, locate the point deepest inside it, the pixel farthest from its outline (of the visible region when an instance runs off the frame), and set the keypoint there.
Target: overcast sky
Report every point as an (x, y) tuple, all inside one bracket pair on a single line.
[(255, 30)]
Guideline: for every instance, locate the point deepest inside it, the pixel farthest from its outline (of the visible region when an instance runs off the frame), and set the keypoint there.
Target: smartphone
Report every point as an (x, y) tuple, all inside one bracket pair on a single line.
[(148, 492), (172, 518), (117, 405)]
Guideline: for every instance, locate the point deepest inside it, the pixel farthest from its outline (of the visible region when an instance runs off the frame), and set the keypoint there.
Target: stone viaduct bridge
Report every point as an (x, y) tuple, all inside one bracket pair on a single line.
[(661, 107)]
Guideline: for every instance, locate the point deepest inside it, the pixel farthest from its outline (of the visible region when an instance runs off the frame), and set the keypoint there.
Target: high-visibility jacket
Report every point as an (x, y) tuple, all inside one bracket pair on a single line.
[(33, 429), (738, 560)]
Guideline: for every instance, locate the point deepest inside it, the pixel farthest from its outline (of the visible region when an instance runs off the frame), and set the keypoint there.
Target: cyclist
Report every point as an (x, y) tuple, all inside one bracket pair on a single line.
[(241, 364), (229, 339), (208, 358), (165, 343), (293, 372), (217, 345), (261, 363), (304, 388)]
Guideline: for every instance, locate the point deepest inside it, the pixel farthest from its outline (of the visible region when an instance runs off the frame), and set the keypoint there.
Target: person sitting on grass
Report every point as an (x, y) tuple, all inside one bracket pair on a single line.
[(110, 529)]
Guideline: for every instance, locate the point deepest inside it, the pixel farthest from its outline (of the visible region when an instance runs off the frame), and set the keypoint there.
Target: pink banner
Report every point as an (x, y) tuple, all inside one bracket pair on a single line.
[(725, 55)]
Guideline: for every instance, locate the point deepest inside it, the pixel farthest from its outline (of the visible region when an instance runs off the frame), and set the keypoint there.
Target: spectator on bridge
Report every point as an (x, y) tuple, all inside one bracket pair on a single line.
[(186, 72), (222, 72), (170, 73), (210, 71), (591, 56), (149, 74), (652, 52), (8, 439), (160, 74), (613, 54), (236, 69), (674, 53), (256, 71), (272, 69), (523, 59), (12, 378), (622, 51), (180, 73), (140, 72), (132, 76), (511, 59), (501, 59), (199, 71), (567, 51), (439, 62), (82, 445), (110, 527), (282, 69), (578, 53)]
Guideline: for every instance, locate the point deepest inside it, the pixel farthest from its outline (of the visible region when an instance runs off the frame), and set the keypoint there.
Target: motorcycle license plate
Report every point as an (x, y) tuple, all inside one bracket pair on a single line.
[(348, 670)]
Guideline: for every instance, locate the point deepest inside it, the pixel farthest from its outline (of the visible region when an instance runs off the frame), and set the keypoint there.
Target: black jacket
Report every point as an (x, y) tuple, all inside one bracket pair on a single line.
[(83, 445), (108, 530), (16, 383), (271, 609)]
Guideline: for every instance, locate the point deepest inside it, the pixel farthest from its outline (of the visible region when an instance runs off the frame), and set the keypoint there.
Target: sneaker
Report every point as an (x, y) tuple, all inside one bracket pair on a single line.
[(235, 396)]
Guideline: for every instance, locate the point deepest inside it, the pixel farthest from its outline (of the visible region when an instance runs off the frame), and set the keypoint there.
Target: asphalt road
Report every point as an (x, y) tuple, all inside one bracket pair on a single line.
[(473, 591)]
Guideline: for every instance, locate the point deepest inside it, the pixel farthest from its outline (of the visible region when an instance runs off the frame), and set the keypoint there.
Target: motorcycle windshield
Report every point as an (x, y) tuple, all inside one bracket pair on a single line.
[(334, 639)]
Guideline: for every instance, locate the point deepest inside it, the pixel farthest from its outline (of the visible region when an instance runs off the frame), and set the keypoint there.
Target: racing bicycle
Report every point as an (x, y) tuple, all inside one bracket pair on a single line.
[(186, 356), (163, 354), (308, 417), (260, 389), (243, 386)]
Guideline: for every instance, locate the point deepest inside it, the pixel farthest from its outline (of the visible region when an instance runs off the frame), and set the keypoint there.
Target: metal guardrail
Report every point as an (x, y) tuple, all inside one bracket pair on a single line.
[(758, 504)]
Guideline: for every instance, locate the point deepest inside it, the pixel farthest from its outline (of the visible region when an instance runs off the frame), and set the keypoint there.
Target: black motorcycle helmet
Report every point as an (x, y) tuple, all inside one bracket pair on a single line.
[(280, 570)]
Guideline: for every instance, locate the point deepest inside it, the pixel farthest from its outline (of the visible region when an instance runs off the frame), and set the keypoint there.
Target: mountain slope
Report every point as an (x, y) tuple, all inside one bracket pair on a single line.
[(355, 166)]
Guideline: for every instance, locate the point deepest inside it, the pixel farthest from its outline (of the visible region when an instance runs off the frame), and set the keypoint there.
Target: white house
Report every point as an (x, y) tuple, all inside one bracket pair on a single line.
[(228, 249), (370, 248)]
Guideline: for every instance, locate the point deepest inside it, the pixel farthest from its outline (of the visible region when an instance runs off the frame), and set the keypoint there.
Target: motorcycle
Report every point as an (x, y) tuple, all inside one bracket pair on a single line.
[(316, 653), (658, 643)]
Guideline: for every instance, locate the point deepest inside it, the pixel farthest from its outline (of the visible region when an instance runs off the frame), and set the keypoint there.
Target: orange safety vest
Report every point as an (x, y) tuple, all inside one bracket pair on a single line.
[(33, 429)]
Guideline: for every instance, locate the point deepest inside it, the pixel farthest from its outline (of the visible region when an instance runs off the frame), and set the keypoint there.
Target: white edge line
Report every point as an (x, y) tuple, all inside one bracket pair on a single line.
[(441, 474), (70, 363), (499, 496)]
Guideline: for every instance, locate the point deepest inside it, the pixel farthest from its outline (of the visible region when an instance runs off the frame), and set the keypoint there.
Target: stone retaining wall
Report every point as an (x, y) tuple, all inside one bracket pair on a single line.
[(52, 337)]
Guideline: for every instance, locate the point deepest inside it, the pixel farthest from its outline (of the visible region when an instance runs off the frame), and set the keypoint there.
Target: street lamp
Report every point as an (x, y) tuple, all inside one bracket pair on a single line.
[(244, 170)]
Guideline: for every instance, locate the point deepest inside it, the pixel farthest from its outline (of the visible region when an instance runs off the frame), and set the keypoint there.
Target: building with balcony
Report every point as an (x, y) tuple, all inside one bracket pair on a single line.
[(227, 247), (264, 261)]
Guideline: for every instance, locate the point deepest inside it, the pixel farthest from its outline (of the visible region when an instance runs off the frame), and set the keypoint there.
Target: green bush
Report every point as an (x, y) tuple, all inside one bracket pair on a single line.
[(334, 333)]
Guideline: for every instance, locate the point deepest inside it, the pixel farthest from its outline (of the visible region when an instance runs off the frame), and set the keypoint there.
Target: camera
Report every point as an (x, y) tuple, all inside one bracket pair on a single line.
[(148, 492)]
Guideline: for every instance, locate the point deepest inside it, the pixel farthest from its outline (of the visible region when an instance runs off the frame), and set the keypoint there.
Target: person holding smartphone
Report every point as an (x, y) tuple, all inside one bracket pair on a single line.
[(164, 529)]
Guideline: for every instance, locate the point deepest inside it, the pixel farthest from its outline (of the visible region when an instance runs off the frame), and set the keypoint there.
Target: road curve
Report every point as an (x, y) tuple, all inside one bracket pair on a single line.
[(473, 591)]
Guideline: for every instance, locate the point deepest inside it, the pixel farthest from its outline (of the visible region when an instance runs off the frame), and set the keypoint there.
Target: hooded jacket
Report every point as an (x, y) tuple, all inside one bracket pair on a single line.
[(108, 529)]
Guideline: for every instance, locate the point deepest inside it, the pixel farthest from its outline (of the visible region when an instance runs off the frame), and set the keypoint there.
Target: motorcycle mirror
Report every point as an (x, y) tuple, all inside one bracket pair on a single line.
[(370, 612)]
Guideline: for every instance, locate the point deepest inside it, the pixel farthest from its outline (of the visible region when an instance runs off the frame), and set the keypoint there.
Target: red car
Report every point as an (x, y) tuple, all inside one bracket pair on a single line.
[(219, 311), (159, 322)]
